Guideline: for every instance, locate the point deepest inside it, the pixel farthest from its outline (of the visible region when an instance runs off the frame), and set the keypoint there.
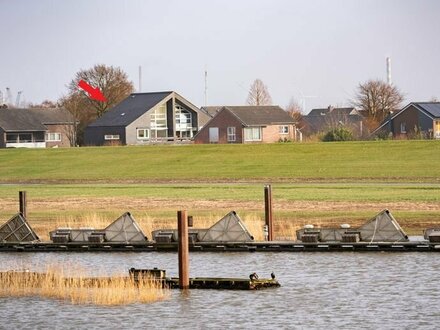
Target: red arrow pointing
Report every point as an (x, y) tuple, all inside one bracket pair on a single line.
[(94, 93)]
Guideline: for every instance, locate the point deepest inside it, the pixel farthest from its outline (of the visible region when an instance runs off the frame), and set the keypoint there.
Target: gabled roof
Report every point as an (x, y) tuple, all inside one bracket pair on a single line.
[(321, 119), (32, 119), (53, 116), (211, 110), (431, 109), (334, 111), (130, 109), (260, 115)]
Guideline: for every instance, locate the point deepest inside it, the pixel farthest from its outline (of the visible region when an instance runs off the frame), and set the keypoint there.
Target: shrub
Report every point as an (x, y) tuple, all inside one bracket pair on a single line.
[(338, 134)]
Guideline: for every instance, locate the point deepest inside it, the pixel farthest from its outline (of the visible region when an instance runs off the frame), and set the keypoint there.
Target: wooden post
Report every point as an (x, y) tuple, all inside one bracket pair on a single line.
[(22, 202), (268, 210), (182, 228)]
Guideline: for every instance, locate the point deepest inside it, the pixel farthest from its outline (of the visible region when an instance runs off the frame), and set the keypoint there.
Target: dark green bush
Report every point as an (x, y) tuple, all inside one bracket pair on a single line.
[(338, 134)]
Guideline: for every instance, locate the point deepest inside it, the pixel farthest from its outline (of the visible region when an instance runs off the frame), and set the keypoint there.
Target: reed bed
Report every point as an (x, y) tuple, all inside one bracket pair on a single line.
[(80, 289)]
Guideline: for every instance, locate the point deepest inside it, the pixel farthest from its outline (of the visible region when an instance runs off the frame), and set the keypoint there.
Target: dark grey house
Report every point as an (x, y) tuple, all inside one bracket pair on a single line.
[(144, 118), (322, 120), (417, 119), (36, 128)]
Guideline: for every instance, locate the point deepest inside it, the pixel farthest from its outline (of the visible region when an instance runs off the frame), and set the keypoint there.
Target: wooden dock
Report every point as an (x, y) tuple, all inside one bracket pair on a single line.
[(274, 246), (224, 283)]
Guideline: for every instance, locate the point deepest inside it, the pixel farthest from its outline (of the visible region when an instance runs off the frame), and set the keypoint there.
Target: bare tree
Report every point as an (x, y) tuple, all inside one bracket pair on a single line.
[(82, 116), (113, 83), (258, 94), (377, 99), (295, 111)]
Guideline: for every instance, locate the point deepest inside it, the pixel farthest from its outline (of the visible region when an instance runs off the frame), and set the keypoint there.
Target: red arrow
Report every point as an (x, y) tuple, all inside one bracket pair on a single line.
[(94, 93)]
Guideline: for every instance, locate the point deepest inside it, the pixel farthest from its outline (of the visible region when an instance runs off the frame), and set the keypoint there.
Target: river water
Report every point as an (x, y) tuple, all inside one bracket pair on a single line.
[(319, 291)]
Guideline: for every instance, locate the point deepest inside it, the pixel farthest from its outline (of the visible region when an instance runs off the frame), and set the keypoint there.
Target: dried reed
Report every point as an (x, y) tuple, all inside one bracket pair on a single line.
[(78, 289)]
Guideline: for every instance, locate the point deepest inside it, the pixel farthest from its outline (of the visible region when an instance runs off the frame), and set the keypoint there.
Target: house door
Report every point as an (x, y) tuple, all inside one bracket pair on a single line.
[(213, 135)]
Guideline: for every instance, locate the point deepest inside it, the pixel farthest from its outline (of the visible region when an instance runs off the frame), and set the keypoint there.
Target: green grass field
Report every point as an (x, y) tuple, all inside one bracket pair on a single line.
[(383, 161), (320, 183)]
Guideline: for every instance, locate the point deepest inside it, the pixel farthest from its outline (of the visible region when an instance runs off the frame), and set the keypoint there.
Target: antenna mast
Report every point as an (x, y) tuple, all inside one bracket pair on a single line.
[(140, 79), (389, 81), (206, 86)]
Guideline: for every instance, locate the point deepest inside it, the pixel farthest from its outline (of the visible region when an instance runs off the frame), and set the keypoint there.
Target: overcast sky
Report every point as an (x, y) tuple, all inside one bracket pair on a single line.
[(316, 48)]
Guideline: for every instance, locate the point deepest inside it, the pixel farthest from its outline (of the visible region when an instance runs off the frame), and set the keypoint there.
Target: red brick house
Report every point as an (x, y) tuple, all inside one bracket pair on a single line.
[(417, 119), (247, 124)]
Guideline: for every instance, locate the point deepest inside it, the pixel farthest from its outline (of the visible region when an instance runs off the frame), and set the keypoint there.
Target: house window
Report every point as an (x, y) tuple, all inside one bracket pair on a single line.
[(437, 129), (143, 133), (19, 137), (284, 129), (402, 128), (252, 134), (183, 119), (231, 134), (111, 137), (53, 137), (158, 122)]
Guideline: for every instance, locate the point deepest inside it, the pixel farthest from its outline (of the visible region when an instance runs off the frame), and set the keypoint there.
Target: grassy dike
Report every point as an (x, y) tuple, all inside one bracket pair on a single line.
[(384, 161), (320, 183)]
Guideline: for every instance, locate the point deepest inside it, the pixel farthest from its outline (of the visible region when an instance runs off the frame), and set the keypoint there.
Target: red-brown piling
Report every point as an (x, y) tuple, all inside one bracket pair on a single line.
[(182, 227), (23, 203), (268, 211)]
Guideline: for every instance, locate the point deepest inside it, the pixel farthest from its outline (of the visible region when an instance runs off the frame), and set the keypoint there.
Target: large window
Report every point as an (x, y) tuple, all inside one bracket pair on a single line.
[(158, 122), (53, 137), (19, 137), (231, 134), (143, 134), (183, 119), (111, 137), (159, 118), (284, 129), (252, 134)]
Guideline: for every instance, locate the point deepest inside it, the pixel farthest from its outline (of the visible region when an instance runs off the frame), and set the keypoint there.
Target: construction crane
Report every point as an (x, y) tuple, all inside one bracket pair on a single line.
[(17, 100)]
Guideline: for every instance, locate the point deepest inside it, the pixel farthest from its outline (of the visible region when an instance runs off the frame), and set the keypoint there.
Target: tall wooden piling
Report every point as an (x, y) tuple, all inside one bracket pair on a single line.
[(182, 228), (23, 203), (268, 211)]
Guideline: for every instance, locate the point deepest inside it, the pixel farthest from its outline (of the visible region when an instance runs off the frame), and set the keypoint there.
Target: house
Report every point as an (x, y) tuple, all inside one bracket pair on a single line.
[(323, 120), (36, 128), (144, 118), (416, 119), (246, 124)]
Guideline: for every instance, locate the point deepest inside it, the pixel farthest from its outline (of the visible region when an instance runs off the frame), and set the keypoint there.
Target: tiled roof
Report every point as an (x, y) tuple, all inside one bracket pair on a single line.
[(32, 119), (261, 115), (130, 109)]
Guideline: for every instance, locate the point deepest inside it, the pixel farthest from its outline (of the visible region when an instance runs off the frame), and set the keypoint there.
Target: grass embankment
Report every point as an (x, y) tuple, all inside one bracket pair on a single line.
[(319, 183), (115, 290), (389, 161)]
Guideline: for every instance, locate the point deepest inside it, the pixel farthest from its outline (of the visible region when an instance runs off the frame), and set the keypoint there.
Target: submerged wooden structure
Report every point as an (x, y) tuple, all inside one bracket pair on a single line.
[(219, 283), (230, 228), (383, 228)]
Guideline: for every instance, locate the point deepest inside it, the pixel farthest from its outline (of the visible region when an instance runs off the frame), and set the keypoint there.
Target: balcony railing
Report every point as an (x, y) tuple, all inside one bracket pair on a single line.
[(25, 144)]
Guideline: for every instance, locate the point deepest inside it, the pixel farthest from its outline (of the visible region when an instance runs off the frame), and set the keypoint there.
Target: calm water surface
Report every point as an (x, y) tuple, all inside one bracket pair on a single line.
[(319, 291)]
